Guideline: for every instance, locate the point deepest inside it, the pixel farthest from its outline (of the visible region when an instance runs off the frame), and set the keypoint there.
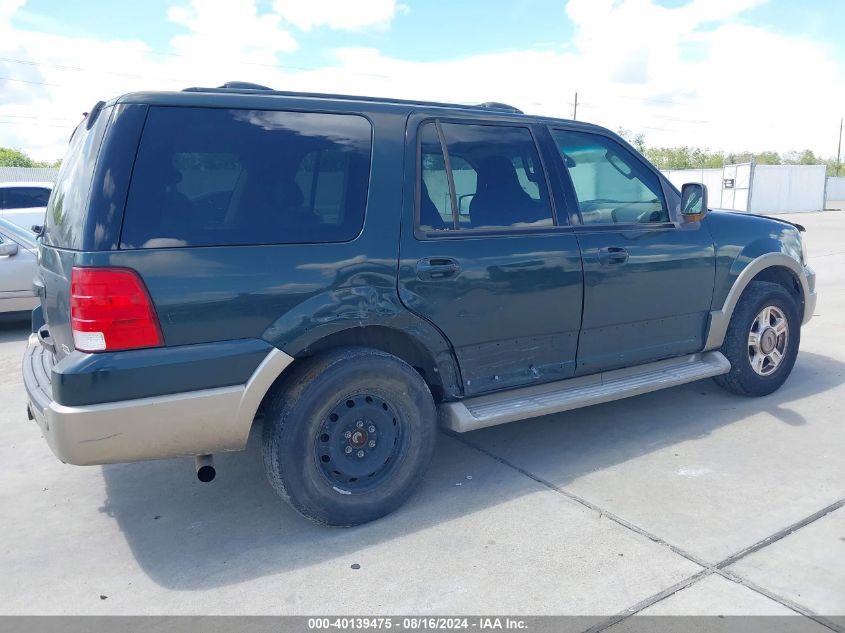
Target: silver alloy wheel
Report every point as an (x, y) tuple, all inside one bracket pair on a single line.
[(767, 340)]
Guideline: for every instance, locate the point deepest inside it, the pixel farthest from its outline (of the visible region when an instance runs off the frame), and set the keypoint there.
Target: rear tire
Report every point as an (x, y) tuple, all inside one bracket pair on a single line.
[(347, 438), (762, 340)]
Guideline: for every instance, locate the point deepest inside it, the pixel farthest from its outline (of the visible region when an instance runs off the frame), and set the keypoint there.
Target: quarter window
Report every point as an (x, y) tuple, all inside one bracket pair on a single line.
[(496, 174), (612, 185), (216, 177)]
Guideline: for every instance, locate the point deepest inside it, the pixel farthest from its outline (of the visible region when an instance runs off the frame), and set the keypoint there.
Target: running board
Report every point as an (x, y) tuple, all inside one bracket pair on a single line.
[(573, 393)]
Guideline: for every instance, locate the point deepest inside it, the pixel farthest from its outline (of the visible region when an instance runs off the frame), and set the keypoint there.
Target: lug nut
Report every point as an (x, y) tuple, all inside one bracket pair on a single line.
[(347, 435), (360, 424), (372, 429), (372, 443), (360, 453), (348, 449)]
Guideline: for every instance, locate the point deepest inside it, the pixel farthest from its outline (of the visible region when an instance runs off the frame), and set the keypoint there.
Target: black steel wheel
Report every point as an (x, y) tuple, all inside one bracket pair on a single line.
[(348, 435), (360, 443)]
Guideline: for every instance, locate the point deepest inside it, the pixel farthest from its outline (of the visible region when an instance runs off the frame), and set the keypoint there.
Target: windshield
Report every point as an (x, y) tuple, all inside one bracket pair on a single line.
[(18, 233)]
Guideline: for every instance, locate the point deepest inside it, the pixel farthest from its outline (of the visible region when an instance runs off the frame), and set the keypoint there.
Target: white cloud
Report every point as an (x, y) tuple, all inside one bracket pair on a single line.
[(230, 30), (338, 14), (696, 75)]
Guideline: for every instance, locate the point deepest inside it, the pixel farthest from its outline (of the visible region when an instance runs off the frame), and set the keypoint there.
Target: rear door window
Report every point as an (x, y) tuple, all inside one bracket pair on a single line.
[(496, 177), (216, 177)]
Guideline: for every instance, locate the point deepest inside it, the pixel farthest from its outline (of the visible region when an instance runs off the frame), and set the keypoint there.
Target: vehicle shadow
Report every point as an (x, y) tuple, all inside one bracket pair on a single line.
[(14, 328), (186, 535)]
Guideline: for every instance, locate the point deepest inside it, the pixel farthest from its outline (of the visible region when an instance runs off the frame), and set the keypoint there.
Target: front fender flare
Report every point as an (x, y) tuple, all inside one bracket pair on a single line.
[(720, 319)]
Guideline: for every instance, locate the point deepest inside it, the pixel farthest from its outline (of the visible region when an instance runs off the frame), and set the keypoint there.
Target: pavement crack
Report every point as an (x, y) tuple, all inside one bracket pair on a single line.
[(786, 602), (584, 502), (654, 599), (709, 568), (774, 538)]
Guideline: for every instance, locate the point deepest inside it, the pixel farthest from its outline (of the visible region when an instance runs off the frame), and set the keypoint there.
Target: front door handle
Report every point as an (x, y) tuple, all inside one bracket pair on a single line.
[(435, 268), (611, 255)]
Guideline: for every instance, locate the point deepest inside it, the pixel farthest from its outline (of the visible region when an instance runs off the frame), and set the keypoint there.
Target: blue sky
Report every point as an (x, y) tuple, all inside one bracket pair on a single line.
[(429, 31), (724, 74)]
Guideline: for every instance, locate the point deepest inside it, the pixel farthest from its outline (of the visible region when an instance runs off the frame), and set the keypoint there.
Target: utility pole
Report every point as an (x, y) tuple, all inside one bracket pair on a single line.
[(839, 150), (575, 109)]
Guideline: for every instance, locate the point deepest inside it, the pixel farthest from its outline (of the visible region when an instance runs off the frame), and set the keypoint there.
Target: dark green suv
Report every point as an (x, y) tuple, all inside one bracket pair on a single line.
[(354, 272)]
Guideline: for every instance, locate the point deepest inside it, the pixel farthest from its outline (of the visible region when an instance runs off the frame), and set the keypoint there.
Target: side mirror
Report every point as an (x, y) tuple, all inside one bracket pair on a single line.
[(7, 249), (693, 201)]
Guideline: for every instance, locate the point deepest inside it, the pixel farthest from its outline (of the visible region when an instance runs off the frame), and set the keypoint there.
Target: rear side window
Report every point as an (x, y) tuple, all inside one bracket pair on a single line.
[(24, 197), (68, 206), (223, 177), (496, 178)]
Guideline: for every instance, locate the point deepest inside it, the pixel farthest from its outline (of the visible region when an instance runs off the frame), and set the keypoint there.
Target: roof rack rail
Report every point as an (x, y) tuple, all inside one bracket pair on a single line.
[(231, 85), (495, 105), (247, 87)]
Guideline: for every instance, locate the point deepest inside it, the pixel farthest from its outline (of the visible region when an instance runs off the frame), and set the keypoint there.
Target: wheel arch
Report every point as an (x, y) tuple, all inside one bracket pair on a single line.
[(436, 366), (437, 371), (772, 267)]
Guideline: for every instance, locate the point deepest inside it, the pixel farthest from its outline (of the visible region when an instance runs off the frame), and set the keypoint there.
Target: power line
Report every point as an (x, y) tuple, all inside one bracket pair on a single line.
[(267, 65), (37, 124), (186, 57), (27, 81), (25, 116), (95, 70)]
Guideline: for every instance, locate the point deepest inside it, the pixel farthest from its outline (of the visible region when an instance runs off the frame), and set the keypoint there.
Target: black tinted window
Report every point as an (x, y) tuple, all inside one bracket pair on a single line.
[(498, 181), (68, 205), (208, 177), (24, 197), (611, 184)]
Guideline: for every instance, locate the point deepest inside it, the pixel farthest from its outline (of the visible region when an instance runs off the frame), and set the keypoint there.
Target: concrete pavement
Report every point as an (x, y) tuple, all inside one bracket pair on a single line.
[(685, 501)]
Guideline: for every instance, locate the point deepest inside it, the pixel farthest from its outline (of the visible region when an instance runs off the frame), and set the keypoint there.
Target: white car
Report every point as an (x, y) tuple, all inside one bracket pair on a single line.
[(24, 203), (18, 264)]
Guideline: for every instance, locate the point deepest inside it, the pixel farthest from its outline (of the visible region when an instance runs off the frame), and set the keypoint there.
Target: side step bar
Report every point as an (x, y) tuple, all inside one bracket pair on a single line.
[(573, 393)]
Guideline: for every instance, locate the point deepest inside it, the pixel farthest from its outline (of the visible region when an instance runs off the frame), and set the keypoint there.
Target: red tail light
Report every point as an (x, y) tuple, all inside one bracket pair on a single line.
[(110, 310)]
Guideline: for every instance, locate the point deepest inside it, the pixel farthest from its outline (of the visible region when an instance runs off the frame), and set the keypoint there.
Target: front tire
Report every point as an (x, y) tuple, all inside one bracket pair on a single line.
[(762, 340), (347, 438)]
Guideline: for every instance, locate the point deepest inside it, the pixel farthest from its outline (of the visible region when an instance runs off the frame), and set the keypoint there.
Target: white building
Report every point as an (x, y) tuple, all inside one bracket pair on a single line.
[(759, 188)]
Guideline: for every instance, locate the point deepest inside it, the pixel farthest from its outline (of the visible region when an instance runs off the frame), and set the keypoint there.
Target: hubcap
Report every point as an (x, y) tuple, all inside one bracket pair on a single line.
[(767, 340), (358, 443)]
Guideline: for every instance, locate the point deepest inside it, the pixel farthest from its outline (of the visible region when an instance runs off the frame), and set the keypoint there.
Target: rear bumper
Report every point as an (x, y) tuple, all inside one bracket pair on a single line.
[(189, 423)]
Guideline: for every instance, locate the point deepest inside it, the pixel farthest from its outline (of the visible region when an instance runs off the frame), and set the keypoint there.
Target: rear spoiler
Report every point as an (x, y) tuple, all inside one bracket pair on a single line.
[(88, 118)]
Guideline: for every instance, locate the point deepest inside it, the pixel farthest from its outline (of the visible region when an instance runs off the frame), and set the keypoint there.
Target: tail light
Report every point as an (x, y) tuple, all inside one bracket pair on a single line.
[(110, 309)]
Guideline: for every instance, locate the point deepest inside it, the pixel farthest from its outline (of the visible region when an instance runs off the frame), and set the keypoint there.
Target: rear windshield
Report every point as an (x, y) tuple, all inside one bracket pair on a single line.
[(215, 177), (69, 200)]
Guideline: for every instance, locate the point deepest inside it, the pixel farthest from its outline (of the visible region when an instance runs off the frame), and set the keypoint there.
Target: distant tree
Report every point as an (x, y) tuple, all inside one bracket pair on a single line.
[(637, 140), (14, 158), (10, 157), (805, 157), (768, 158), (46, 163)]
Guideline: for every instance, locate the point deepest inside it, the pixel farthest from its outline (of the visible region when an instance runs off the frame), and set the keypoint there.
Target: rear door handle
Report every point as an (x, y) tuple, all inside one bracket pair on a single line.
[(434, 268), (611, 255)]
